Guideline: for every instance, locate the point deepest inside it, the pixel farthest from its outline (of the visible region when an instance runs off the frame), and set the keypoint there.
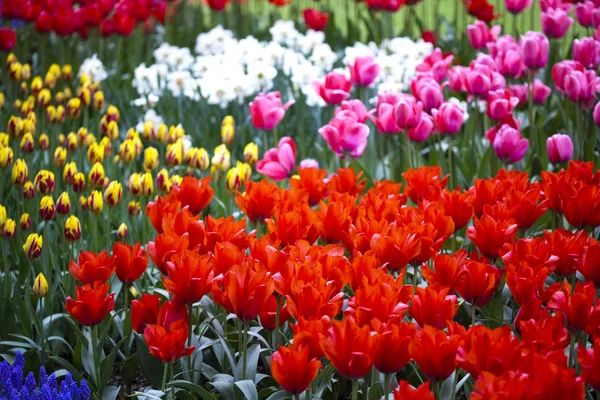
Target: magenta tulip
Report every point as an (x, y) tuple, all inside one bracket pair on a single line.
[(556, 22), (584, 12), (309, 163), (587, 51), (436, 64), (519, 91), (346, 136), (385, 120), (508, 143), (477, 83), (534, 48), (428, 91), (407, 112), (517, 6), (581, 87), (560, 148), (456, 78), (511, 63), (267, 111), (449, 118), (479, 34), (561, 69), (423, 130), (500, 103), (364, 71), (335, 89), (540, 92), (385, 96), (278, 163), (596, 114), (355, 106)]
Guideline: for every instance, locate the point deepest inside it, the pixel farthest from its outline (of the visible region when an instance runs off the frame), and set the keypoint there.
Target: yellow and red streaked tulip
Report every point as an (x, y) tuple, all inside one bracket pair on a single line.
[(127, 151), (63, 204), (14, 71), (81, 135), (29, 126), (245, 170), (174, 154), (227, 134), (162, 134), (28, 190), (113, 114), (25, 222), (150, 132), (33, 246), (6, 157), (44, 141), (20, 172), (162, 181), (222, 158), (47, 208), (84, 94), (44, 98), (3, 139), (122, 232), (134, 208), (251, 153), (78, 182), (17, 104), (69, 172), (72, 142), (23, 88), (146, 184), (151, 160), (51, 114), (68, 94), (175, 181), (95, 202), (107, 144), (37, 84), (44, 182), (14, 126), (60, 156), (89, 140), (176, 132), (134, 184), (96, 175), (61, 139), (40, 286), (2, 215), (50, 80), (131, 133), (59, 97), (83, 202), (2, 100), (26, 72), (228, 120), (61, 113), (9, 228), (98, 101), (74, 108), (67, 72), (27, 143), (234, 179), (11, 58), (137, 145), (84, 79), (95, 153), (72, 229), (113, 194), (199, 159)]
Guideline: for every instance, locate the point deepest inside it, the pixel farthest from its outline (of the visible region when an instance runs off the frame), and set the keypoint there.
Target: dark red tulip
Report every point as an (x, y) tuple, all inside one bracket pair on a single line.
[(315, 19), (8, 38)]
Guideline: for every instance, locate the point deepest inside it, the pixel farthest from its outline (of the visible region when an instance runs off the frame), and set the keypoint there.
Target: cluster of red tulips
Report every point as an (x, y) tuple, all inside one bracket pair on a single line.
[(328, 239)]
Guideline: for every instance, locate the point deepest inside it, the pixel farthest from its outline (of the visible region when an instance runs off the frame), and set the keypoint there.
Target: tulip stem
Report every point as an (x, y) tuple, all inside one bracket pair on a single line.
[(164, 380), (244, 349), (275, 136), (532, 130), (572, 351), (473, 312), (94, 333), (355, 389), (190, 334), (276, 330), (265, 144), (387, 383), (390, 157), (125, 304), (415, 277)]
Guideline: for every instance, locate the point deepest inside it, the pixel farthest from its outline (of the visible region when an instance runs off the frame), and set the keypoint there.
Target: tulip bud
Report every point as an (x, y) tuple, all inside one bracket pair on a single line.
[(175, 133), (78, 182), (198, 158), (14, 71), (67, 72), (85, 95), (96, 175), (113, 194), (234, 179), (127, 151), (122, 232), (44, 98), (149, 130), (95, 202), (174, 154), (98, 100), (222, 158), (74, 108), (25, 222), (33, 246), (560, 148), (28, 190), (113, 114), (60, 156), (84, 80), (72, 229), (134, 208), (2, 215), (251, 153), (228, 120), (163, 133), (3, 140), (146, 184), (69, 172), (61, 114), (27, 143), (44, 141), (26, 72), (162, 181), (227, 134), (106, 143), (151, 160), (40, 286), (44, 182), (175, 181), (63, 204), (47, 208), (83, 202), (6, 157), (95, 153), (20, 172), (9, 228), (2, 101)]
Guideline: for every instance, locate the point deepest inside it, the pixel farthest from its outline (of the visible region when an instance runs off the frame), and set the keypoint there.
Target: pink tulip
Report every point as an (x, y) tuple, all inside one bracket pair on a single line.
[(278, 163), (563, 5), (583, 13), (355, 106), (561, 69), (428, 91), (508, 143), (540, 92), (560, 148), (484, 61), (385, 120), (448, 118), (587, 51), (581, 87), (500, 103), (387, 97), (456, 78), (309, 163), (266, 110), (479, 34), (534, 48), (346, 136), (335, 89), (519, 91), (436, 64), (407, 112), (511, 63), (596, 17), (488, 69), (517, 6), (596, 114), (556, 22), (423, 130), (477, 83), (503, 44), (364, 71)]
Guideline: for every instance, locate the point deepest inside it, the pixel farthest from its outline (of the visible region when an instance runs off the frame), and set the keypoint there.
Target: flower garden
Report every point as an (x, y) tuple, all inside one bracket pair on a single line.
[(293, 199)]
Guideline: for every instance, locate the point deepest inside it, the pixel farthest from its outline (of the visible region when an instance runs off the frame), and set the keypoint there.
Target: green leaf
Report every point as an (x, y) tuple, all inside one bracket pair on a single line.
[(111, 392), (252, 363), (248, 388), (375, 392), (280, 395), (191, 387), (129, 369), (151, 367), (67, 365), (224, 385), (107, 365)]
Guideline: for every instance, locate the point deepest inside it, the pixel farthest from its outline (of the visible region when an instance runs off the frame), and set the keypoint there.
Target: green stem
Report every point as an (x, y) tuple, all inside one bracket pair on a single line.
[(190, 334), (414, 281), (42, 334), (265, 143), (572, 351), (390, 157), (355, 389), (164, 380), (96, 375), (408, 150), (172, 378), (532, 133), (387, 383), (456, 376), (275, 136), (245, 350), (276, 331), (473, 313)]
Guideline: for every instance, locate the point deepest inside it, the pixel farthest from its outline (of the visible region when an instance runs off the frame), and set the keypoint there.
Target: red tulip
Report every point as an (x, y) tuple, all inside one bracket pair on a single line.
[(164, 247), (8, 38), (390, 351), (168, 346), (405, 391), (269, 314), (435, 352), (433, 307), (480, 283), (190, 276), (589, 263), (576, 306), (43, 22), (315, 19), (144, 312), (589, 359), (293, 369), (308, 333), (490, 234), (194, 193), (157, 210), (218, 5), (259, 201), (91, 304), (92, 267), (130, 262), (449, 270)]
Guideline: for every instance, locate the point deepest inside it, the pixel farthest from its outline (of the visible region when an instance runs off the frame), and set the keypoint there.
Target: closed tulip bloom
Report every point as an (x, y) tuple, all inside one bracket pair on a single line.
[(96, 175), (190, 276), (40, 286), (349, 348), (44, 182), (267, 110), (227, 134), (234, 179), (8, 229), (560, 148), (596, 114), (588, 264), (122, 231), (448, 118), (584, 12), (27, 143), (113, 194), (428, 91), (25, 222), (587, 51), (91, 303), (151, 160), (346, 136), (6, 156), (78, 182), (508, 143), (144, 312), (69, 172), (355, 106), (72, 229), (19, 172), (130, 261), (335, 89), (540, 92), (407, 112), (315, 19), (534, 48), (490, 234), (480, 283), (33, 246), (500, 104), (435, 352), (556, 22), (581, 86), (364, 71), (390, 350), (385, 120), (589, 360), (517, 6), (576, 306), (91, 267), (405, 391), (278, 163), (63, 204), (251, 153), (293, 368), (47, 208), (95, 203), (433, 307), (168, 345), (423, 130), (479, 34), (477, 83)]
